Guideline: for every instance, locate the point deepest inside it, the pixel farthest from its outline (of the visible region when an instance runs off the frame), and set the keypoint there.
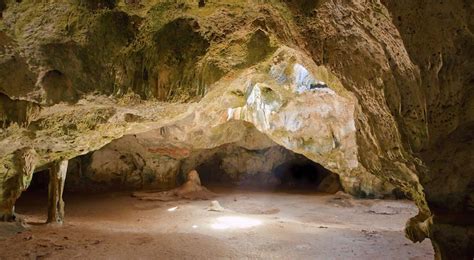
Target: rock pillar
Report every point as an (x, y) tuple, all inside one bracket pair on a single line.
[(57, 177)]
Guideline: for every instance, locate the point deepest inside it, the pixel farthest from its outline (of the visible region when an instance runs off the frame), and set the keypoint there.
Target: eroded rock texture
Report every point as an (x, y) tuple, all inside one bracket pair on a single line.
[(378, 92), (16, 181)]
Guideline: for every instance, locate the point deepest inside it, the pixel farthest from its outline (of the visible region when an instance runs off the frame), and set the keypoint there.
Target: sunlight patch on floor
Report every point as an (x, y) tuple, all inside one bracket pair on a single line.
[(235, 222)]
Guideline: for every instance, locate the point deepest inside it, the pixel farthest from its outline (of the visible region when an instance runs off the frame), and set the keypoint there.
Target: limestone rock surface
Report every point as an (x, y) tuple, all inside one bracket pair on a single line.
[(378, 92)]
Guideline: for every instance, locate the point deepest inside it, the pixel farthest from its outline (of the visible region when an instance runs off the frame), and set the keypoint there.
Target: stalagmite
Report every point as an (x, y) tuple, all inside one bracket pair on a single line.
[(57, 177), (191, 189)]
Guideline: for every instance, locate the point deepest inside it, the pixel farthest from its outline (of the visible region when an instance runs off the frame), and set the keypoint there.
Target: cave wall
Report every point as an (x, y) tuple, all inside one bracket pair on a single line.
[(417, 61), (445, 58)]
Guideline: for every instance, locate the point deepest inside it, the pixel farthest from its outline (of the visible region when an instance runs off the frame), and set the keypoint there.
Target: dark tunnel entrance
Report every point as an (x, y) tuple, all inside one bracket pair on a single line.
[(306, 175), (39, 182), (35, 197), (274, 168)]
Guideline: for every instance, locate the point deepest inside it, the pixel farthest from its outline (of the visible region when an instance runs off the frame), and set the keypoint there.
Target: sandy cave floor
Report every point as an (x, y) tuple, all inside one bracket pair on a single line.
[(257, 225)]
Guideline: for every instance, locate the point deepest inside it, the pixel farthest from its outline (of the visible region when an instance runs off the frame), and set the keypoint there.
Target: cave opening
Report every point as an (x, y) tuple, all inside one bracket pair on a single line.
[(39, 182), (34, 201), (292, 172), (304, 175)]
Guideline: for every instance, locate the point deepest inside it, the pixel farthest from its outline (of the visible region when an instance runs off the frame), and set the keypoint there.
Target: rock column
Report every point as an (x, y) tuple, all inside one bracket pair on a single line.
[(57, 177)]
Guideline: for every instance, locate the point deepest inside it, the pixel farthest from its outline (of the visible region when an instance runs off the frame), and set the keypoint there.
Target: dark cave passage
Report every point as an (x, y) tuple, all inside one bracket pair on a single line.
[(303, 174), (39, 182), (35, 198), (288, 171)]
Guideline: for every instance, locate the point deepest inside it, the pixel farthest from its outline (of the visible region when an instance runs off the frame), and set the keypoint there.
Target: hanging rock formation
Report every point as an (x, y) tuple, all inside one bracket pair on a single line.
[(17, 181)]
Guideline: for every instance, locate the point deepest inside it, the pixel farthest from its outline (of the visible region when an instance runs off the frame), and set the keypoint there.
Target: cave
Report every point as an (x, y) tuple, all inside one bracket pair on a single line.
[(243, 186), (294, 129)]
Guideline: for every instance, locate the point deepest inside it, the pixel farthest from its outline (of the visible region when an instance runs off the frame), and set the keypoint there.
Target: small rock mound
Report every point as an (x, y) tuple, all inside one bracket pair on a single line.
[(191, 190)]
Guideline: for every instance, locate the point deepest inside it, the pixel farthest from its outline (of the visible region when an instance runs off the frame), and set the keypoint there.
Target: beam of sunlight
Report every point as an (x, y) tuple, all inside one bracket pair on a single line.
[(235, 222)]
